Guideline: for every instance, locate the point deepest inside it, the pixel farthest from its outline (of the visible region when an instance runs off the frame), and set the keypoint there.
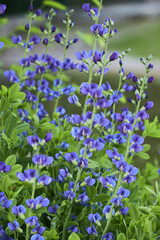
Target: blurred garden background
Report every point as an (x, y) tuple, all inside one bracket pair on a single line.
[(137, 22)]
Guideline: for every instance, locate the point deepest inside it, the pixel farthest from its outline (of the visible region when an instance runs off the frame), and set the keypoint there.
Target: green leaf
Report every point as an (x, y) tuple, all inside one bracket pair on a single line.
[(55, 4), (123, 99), (85, 37), (3, 21), (17, 192), (121, 236), (7, 42), (22, 127), (73, 236), (92, 164), (156, 210), (6, 183), (11, 160), (145, 210), (143, 155), (146, 147), (101, 198), (150, 190), (96, 2), (91, 192)]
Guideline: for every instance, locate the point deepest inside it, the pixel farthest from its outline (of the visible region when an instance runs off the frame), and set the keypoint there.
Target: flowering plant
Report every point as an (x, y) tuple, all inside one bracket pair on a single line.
[(73, 176)]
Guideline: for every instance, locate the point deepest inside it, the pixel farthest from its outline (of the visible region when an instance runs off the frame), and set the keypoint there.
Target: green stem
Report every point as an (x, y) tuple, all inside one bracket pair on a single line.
[(92, 63), (125, 159), (112, 206), (32, 197), (65, 224), (114, 105), (69, 211), (25, 50), (64, 57)]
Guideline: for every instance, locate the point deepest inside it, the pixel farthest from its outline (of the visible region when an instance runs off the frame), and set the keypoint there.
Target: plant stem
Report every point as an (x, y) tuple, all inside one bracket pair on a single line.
[(32, 197), (69, 211), (92, 63), (25, 50), (64, 57), (125, 159)]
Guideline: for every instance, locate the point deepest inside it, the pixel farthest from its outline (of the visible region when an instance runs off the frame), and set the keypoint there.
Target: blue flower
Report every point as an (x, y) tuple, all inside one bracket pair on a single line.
[(106, 211), (2, 8), (42, 160), (45, 180), (69, 195), (32, 221), (19, 210), (53, 210), (1, 45), (14, 226), (95, 218), (11, 76), (91, 230), (108, 236)]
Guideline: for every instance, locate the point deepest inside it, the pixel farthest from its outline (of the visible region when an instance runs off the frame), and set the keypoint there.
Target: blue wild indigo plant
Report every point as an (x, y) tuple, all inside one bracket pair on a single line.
[(73, 176)]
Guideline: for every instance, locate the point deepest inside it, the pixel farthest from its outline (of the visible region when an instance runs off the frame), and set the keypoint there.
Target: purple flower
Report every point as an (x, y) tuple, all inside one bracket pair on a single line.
[(69, 195), (28, 175), (150, 79), (40, 69), (89, 181), (73, 99), (114, 56), (60, 110), (148, 105), (71, 157), (48, 137), (83, 197), (37, 237), (19, 210), (63, 173), (83, 163), (39, 230), (32, 221), (108, 182), (42, 160), (1, 45), (86, 7), (37, 202), (122, 166), (91, 230), (45, 180), (58, 37), (11, 76), (95, 218), (35, 40), (17, 40), (2, 8), (124, 210), (14, 226), (34, 141), (116, 201), (106, 211), (123, 193), (27, 27), (53, 210), (38, 12), (4, 168), (108, 236), (98, 29)]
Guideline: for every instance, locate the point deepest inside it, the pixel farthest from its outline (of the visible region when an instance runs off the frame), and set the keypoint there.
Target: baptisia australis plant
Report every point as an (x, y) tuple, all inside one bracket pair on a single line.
[(73, 176)]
